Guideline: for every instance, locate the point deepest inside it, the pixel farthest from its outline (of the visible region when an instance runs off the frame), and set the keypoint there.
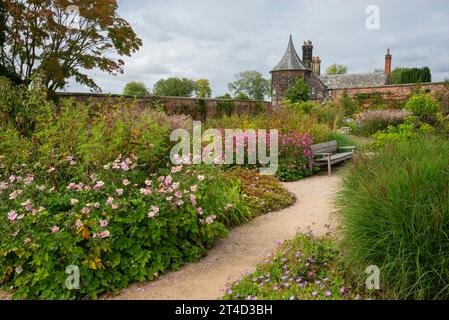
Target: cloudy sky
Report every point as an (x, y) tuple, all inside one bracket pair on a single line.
[(215, 39)]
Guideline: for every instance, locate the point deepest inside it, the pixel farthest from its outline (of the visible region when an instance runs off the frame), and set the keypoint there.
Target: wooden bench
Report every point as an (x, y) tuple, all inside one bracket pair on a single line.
[(327, 153)]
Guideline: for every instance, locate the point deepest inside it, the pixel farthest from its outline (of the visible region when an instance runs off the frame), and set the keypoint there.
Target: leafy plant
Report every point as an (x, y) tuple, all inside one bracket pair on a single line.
[(299, 92), (394, 213), (304, 268)]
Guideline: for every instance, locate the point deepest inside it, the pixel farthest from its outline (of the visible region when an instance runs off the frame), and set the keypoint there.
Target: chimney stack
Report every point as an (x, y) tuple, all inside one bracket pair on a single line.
[(388, 63), (307, 54), (316, 66)]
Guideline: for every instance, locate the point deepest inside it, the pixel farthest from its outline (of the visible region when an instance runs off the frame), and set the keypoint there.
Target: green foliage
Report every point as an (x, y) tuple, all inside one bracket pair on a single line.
[(410, 75), (337, 69), (406, 131), (174, 87), (299, 92), (22, 108), (117, 225), (250, 84), (43, 37), (422, 105), (349, 105), (304, 268), (369, 122), (225, 107), (202, 88), (135, 88), (394, 211), (263, 193)]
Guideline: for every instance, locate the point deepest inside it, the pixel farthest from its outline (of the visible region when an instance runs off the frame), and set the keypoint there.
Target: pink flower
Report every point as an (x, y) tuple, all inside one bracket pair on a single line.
[(103, 223), (78, 223), (194, 188), (73, 201), (178, 194), (151, 215), (119, 191), (15, 233), (146, 191), (200, 177), (104, 234), (148, 183), (179, 202), (160, 179), (19, 269), (51, 170), (27, 240), (210, 219), (12, 215), (155, 209), (54, 229), (200, 211), (109, 201), (114, 206), (169, 198), (14, 194), (168, 180), (193, 199), (85, 210), (126, 182), (98, 185)]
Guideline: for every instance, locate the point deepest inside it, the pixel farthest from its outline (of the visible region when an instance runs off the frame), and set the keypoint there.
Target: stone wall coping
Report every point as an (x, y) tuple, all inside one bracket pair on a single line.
[(115, 95), (393, 86)]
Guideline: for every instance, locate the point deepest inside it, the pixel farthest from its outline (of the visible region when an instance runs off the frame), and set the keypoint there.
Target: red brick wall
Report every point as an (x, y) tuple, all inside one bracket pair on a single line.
[(393, 94), (174, 105)]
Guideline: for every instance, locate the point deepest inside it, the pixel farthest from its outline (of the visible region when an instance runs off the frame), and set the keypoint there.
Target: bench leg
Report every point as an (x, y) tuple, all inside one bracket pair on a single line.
[(329, 170)]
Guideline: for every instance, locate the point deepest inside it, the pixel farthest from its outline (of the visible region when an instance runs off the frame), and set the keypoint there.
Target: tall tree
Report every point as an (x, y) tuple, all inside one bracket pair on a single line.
[(5, 71), (136, 88), (203, 89), (174, 87), (250, 83), (337, 69), (63, 40)]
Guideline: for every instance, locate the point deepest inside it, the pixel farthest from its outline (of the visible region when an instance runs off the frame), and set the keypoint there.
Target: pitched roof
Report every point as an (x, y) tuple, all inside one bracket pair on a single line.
[(345, 81), (290, 60)]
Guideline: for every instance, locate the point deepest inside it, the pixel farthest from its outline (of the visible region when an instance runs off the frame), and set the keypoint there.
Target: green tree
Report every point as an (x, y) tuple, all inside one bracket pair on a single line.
[(251, 84), (337, 69), (45, 36), (299, 91), (226, 96), (410, 75), (203, 89), (135, 88), (5, 71), (174, 87)]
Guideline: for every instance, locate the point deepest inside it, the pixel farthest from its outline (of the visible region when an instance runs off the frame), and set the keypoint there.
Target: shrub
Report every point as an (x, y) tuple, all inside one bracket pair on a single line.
[(117, 225), (422, 105), (394, 210), (263, 193), (298, 92), (294, 156), (304, 268), (369, 122)]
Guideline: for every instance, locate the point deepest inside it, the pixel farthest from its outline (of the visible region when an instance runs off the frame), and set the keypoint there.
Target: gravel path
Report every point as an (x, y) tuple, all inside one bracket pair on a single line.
[(246, 245)]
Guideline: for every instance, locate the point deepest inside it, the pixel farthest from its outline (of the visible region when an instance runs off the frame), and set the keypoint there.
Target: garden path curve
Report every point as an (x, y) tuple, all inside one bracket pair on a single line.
[(245, 245)]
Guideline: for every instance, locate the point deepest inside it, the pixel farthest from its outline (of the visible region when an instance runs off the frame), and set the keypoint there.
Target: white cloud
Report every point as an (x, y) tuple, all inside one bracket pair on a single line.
[(216, 39)]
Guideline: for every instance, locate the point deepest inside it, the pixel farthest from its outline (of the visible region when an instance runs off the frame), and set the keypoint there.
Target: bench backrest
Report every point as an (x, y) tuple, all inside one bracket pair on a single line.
[(325, 147)]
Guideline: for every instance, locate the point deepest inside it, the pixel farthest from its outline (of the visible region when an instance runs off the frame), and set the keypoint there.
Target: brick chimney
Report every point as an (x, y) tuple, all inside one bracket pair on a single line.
[(307, 54), (388, 63), (316, 66)]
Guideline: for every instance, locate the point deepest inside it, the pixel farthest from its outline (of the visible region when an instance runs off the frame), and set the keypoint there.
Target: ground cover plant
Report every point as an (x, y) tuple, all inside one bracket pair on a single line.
[(394, 210), (306, 267)]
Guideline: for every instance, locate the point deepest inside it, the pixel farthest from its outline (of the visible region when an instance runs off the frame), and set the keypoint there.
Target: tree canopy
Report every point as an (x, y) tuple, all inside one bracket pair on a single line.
[(410, 75), (136, 88), (251, 85), (174, 87), (202, 88), (46, 36), (337, 69)]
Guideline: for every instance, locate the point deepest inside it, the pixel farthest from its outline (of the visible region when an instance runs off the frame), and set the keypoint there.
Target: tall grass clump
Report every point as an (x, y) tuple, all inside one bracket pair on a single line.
[(394, 210)]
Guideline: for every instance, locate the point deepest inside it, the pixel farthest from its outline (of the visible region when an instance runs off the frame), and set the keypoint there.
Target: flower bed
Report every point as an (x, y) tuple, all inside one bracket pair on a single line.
[(305, 268)]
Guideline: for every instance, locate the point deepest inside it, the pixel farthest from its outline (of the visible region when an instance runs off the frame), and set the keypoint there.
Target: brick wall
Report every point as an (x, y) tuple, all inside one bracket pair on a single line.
[(199, 109), (392, 94)]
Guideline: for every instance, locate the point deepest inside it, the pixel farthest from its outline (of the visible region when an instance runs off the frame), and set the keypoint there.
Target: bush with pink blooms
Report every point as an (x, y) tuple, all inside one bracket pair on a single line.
[(117, 225), (294, 155)]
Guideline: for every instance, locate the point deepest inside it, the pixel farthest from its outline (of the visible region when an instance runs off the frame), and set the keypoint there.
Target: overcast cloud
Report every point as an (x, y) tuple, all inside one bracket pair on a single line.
[(215, 39)]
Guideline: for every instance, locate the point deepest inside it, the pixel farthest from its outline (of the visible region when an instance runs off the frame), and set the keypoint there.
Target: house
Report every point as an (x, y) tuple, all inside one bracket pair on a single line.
[(292, 67)]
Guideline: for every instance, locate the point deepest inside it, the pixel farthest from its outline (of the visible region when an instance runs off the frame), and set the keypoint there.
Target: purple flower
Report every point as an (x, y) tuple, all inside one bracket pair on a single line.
[(327, 293)]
